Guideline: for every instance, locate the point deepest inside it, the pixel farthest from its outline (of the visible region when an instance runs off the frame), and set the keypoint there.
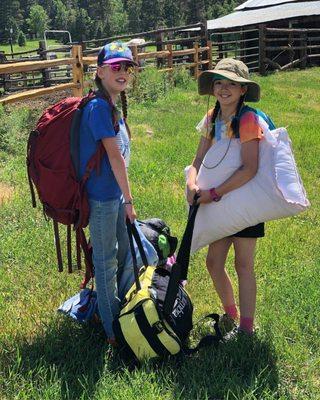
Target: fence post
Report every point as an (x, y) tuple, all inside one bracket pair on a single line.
[(159, 40), (43, 56), (262, 49), (170, 56), (220, 47), (209, 54), (77, 70), (303, 51), (134, 49), (83, 49), (4, 77), (196, 60)]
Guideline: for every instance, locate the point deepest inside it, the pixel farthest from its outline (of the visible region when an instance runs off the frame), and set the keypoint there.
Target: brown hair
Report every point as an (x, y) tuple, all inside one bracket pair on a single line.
[(124, 105)]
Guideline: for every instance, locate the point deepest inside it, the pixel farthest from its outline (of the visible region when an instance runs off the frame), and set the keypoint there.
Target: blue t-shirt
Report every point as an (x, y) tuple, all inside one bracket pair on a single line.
[(96, 124)]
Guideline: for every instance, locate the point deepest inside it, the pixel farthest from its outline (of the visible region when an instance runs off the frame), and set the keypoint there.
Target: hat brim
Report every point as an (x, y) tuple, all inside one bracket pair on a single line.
[(119, 59), (205, 83)]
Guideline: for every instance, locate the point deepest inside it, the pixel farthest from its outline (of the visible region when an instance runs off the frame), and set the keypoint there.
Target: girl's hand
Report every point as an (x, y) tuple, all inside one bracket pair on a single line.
[(204, 197), (191, 192), (130, 212)]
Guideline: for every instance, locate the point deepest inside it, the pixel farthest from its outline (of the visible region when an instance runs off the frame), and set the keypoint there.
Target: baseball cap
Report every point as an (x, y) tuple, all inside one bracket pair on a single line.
[(115, 52), (233, 70)]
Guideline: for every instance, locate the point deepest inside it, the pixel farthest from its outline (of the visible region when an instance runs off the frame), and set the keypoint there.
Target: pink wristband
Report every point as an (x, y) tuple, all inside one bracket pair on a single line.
[(214, 195)]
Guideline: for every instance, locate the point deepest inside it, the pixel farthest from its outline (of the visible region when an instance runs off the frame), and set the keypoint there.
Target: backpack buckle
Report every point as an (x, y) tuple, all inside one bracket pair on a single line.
[(157, 326)]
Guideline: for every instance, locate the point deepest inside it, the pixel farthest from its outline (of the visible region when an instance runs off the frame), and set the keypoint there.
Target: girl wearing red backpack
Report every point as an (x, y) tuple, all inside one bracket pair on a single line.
[(109, 191), (229, 82)]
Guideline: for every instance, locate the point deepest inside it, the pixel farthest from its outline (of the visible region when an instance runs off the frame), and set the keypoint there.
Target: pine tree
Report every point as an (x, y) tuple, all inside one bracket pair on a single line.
[(80, 24), (60, 20), (21, 39), (118, 19), (10, 18), (134, 16), (196, 11), (174, 13), (152, 14)]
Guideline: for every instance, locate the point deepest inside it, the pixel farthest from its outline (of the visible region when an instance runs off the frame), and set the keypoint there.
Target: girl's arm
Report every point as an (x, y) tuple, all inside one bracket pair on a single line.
[(120, 172), (192, 188), (248, 169)]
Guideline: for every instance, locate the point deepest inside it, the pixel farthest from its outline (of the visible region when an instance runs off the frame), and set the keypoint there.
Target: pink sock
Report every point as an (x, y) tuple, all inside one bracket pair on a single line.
[(232, 311), (246, 324)]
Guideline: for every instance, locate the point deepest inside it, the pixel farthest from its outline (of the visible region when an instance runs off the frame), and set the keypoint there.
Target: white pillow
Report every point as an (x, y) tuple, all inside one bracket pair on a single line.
[(275, 192)]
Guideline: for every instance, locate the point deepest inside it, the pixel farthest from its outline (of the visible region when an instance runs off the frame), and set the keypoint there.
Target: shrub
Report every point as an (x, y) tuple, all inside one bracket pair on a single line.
[(21, 39), (181, 77), (150, 84)]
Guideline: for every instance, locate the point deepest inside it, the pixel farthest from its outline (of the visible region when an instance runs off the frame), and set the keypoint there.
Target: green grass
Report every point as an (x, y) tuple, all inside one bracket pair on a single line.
[(45, 356), (30, 45)]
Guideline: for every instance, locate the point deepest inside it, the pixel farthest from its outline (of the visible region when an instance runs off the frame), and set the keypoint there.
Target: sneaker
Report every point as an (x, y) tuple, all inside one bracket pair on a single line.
[(237, 333), (227, 324), (231, 335)]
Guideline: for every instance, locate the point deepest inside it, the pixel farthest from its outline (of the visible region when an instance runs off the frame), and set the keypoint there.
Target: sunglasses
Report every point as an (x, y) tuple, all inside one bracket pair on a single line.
[(116, 67)]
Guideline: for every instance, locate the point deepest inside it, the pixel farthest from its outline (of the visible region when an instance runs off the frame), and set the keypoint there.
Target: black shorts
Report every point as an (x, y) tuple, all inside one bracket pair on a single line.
[(255, 231)]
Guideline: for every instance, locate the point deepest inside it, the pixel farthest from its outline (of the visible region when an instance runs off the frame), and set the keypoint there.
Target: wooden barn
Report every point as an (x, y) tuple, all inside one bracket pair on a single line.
[(269, 34)]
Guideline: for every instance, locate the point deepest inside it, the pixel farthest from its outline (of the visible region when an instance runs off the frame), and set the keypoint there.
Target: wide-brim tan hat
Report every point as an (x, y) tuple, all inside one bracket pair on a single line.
[(234, 70)]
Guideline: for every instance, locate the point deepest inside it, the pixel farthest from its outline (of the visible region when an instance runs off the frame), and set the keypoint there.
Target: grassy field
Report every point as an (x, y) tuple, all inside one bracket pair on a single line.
[(30, 45), (45, 356)]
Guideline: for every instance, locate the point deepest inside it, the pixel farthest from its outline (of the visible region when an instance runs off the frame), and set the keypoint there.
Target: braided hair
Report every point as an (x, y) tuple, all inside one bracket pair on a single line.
[(235, 123), (124, 104), (213, 118)]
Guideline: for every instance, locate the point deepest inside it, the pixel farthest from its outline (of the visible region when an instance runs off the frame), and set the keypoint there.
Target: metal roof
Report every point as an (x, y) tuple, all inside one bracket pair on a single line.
[(259, 16), (261, 3)]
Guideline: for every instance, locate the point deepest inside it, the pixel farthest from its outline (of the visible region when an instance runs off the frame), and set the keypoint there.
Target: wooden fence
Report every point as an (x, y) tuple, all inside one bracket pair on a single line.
[(264, 49), (196, 58)]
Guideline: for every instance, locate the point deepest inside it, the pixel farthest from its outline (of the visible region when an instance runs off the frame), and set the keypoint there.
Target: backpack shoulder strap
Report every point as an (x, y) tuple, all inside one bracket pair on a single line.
[(258, 112), (75, 132)]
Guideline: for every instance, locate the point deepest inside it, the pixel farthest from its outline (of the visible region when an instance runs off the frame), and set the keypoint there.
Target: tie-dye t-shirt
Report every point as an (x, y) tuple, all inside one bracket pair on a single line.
[(250, 127)]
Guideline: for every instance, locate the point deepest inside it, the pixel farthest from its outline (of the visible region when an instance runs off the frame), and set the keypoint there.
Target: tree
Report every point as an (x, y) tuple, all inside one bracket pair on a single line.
[(118, 21), (134, 15), (10, 17), (174, 12), (60, 20), (21, 39), (38, 20), (80, 24), (196, 11), (152, 14)]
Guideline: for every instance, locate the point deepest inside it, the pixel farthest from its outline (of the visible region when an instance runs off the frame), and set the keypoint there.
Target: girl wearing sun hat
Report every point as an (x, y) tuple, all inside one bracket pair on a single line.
[(109, 191), (230, 84)]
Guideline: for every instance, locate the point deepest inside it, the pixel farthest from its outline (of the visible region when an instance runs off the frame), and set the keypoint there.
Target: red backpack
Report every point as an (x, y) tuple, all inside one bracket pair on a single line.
[(53, 168)]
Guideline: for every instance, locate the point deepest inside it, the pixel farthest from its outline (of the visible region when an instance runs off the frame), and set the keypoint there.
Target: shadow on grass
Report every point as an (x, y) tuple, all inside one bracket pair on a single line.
[(75, 358), (67, 354), (244, 368)]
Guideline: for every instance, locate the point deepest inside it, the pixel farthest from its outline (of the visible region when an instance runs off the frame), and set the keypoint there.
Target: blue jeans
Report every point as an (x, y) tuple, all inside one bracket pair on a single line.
[(113, 274)]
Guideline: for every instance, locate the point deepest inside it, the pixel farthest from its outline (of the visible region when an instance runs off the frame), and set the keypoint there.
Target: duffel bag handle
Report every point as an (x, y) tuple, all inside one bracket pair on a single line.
[(133, 253), (179, 270), (133, 232)]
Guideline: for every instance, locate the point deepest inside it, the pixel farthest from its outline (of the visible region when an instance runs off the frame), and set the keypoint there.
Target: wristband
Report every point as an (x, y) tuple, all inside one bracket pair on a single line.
[(214, 195), (128, 202)]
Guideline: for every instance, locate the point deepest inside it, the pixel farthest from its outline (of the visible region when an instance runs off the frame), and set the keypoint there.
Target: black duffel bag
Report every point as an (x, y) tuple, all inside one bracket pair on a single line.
[(155, 319)]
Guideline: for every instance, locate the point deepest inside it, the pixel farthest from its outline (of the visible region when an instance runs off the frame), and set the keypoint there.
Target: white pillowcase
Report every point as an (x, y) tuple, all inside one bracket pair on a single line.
[(275, 192)]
